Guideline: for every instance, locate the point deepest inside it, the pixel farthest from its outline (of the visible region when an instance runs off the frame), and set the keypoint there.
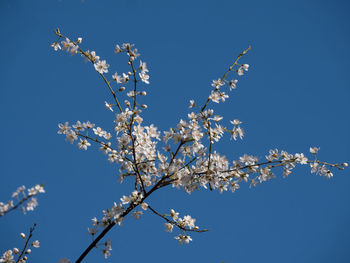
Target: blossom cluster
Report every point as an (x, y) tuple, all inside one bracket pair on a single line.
[(21, 255), (185, 223), (22, 198), (116, 215), (116, 211)]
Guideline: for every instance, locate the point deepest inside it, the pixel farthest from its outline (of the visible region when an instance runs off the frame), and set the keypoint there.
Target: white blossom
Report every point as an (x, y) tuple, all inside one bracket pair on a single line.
[(99, 131), (19, 190), (36, 189), (36, 244), (236, 122), (7, 257), (108, 247), (215, 96), (301, 158), (183, 239), (232, 84), (117, 49), (78, 126), (71, 136), (64, 128), (88, 125), (55, 46), (125, 78), (31, 204), (217, 83), (144, 206), (125, 200), (143, 67), (174, 214), (117, 78), (189, 221), (108, 106), (169, 227), (144, 77), (69, 46), (314, 150), (101, 66), (83, 144), (91, 56)]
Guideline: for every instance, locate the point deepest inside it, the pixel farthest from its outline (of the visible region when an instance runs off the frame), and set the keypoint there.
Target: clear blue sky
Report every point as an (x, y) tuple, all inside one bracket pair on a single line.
[(295, 95)]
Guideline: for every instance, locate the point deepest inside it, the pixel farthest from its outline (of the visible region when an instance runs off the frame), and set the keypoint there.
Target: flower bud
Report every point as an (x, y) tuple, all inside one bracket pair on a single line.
[(23, 235), (16, 250), (121, 88), (143, 106), (117, 49), (143, 93), (79, 40), (28, 251), (345, 164)]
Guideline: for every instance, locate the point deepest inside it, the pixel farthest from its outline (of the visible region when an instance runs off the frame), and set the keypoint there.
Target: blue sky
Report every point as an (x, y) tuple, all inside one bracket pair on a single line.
[(295, 95)]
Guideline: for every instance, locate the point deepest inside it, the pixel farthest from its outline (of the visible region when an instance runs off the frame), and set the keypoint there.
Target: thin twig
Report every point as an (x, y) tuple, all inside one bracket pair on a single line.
[(26, 244), (175, 223)]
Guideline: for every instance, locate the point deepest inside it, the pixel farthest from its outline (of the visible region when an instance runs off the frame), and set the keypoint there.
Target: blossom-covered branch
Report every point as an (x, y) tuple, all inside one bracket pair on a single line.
[(22, 256), (183, 157), (22, 198)]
